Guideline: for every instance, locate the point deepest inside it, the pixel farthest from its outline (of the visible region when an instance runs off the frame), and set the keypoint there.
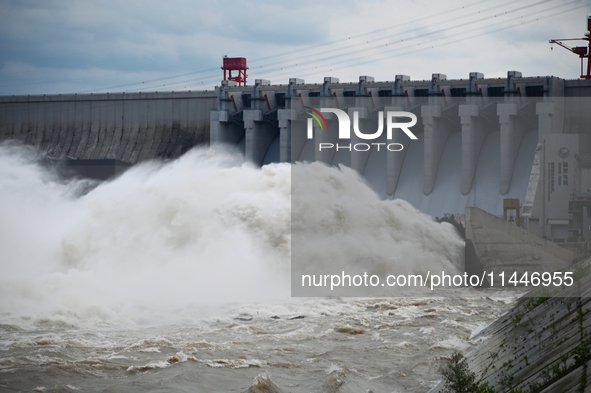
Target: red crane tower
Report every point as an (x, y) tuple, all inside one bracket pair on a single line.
[(235, 64), (582, 51)]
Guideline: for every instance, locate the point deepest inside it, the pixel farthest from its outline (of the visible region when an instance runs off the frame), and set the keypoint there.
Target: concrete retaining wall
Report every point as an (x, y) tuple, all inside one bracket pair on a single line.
[(495, 245), (543, 344)]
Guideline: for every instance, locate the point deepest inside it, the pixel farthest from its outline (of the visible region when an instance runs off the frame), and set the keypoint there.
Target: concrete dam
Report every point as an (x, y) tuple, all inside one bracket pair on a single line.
[(479, 140), (127, 127)]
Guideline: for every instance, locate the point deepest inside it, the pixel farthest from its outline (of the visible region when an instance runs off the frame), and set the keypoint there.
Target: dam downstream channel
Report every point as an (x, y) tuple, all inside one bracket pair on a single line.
[(175, 277)]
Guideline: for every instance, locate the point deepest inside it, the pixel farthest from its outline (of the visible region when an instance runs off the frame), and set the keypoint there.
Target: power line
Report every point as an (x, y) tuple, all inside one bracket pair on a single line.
[(375, 41), (347, 51), (413, 47), (275, 56)]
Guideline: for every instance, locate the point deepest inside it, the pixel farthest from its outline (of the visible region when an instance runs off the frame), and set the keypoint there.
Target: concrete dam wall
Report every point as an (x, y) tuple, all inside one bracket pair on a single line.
[(446, 195), (126, 127), (479, 140)]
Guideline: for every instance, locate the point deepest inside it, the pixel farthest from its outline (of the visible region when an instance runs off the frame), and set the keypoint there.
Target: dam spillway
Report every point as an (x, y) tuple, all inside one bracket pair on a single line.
[(480, 140)]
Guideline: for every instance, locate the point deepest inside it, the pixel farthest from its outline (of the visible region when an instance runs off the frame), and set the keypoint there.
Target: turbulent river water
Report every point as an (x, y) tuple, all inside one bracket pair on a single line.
[(175, 277)]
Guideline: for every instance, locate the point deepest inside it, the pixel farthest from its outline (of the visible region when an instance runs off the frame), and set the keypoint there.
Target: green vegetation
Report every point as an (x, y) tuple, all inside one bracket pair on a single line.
[(534, 302), (457, 377), (517, 318), (452, 220)]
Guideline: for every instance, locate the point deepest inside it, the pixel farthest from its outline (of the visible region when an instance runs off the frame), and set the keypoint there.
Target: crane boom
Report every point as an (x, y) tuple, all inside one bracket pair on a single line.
[(582, 51)]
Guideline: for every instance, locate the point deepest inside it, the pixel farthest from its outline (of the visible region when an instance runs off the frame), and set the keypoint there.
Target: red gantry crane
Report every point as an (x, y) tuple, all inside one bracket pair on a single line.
[(582, 51), (235, 64)]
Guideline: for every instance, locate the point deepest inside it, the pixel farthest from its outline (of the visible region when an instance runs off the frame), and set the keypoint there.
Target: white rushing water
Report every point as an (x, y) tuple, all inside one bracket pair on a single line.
[(176, 277), (200, 230)]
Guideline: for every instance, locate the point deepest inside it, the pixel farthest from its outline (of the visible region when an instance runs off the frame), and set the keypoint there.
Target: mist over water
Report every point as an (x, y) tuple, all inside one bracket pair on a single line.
[(172, 241), (201, 230)]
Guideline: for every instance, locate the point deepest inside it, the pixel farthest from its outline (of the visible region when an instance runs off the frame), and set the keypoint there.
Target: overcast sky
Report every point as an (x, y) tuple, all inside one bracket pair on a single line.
[(58, 46)]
